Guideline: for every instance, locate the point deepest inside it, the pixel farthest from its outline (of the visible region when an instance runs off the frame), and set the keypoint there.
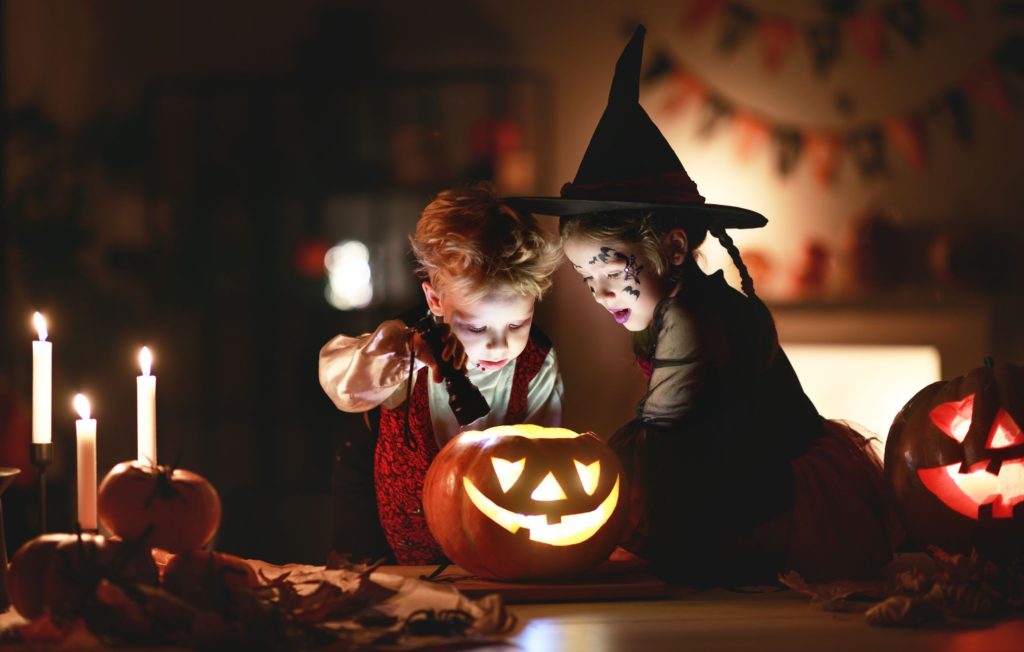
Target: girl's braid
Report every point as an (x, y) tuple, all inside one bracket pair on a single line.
[(746, 283)]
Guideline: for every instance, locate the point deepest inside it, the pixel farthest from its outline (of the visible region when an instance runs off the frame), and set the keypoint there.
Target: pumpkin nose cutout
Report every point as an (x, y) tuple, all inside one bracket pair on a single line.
[(1006, 432), (548, 489)]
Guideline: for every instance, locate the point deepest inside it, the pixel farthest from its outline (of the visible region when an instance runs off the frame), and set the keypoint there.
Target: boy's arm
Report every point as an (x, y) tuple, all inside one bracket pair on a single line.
[(544, 395), (360, 373)]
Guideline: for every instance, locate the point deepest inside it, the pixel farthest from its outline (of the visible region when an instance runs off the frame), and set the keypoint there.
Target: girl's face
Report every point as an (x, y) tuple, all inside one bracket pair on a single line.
[(621, 278), (493, 330)]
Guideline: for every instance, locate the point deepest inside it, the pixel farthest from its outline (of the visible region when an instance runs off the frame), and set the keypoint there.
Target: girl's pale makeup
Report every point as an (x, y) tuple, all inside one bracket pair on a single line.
[(617, 277), (493, 330)]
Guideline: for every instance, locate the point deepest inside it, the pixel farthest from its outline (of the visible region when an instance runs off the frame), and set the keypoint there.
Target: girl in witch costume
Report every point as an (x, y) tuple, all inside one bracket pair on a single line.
[(734, 476), (483, 265)]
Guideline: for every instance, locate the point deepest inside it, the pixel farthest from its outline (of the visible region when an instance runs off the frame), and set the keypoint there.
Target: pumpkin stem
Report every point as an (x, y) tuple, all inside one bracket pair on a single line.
[(989, 362), (164, 488)]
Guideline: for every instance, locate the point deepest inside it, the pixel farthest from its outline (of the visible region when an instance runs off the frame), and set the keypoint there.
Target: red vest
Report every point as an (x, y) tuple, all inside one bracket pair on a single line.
[(399, 470)]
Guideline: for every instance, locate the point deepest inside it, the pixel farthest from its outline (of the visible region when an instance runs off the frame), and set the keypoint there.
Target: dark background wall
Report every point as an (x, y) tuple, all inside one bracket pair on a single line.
[(174, 172)]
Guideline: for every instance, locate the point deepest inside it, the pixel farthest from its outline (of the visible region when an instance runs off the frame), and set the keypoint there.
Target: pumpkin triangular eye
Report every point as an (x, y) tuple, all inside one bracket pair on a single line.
[(590, 474), (954, 418), (507, 472), (1005, 432), (548, 489)]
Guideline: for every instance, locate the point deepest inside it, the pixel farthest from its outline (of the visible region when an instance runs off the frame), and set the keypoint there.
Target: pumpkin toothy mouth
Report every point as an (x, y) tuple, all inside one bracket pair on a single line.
[(570, 530), (975, 493)]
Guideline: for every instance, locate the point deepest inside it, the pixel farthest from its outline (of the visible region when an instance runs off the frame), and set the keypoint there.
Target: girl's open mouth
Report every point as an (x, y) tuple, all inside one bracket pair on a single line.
[(621, 316), (491, 365)]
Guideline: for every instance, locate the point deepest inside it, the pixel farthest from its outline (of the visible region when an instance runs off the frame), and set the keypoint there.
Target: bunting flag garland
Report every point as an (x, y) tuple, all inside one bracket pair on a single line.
[(905, 135), (866, 29)]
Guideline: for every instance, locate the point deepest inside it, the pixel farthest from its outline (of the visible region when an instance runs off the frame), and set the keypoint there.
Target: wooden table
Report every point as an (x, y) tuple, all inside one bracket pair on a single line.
[(724, 621)]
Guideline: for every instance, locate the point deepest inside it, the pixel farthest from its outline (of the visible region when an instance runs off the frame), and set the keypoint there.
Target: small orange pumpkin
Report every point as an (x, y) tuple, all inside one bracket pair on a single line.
[(60, 572), (525, 502), (182, 506)]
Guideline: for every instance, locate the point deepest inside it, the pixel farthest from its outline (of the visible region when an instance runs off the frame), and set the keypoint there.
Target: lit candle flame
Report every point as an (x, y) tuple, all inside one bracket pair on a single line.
[(81, 403), (145, 360), (40, 323)]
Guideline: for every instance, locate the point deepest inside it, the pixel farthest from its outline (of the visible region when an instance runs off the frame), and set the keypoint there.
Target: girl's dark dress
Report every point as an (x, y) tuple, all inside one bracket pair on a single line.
[(734, 474)]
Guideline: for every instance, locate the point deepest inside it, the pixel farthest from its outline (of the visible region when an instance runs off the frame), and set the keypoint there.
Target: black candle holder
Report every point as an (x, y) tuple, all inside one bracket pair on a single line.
[(42, 456), (6, 478)]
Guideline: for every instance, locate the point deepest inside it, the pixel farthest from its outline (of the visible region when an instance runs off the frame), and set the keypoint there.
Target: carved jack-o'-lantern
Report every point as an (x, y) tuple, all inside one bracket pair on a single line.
[(955, 461), (517, 502)]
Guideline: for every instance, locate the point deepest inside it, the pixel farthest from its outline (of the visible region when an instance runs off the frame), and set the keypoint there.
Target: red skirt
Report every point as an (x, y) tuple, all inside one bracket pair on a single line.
[(843, 524)]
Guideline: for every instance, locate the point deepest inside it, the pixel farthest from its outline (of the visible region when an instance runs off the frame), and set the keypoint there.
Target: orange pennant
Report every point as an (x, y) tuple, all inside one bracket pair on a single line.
[(868, 33), (751, 135), (823, 151), (985, 85), (906, 134), (687, 90), (777, 40), (699, 14)]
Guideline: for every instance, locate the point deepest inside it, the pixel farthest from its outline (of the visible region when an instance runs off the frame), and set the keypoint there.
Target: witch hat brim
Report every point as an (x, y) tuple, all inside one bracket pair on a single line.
[(629, 165)]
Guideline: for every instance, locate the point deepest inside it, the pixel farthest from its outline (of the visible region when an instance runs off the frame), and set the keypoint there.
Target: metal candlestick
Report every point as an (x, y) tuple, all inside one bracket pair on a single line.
[(42, 455), (6, 477)]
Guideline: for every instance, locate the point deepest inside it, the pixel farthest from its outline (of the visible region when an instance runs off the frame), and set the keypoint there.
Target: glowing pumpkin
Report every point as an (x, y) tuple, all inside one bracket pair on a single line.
[(955, 462), (518, 502)]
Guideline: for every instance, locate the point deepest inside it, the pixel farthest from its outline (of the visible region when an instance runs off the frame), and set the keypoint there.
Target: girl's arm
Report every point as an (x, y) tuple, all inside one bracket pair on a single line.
[(686, 361), (360, 373), (544, 396)]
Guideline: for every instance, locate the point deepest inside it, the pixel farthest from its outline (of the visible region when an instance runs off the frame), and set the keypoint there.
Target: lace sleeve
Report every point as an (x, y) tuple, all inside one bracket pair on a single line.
[(687, 356)]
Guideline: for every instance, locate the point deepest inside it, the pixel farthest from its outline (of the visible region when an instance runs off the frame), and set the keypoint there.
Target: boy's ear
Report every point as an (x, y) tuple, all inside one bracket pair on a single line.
[(676, 247), (433, 299)]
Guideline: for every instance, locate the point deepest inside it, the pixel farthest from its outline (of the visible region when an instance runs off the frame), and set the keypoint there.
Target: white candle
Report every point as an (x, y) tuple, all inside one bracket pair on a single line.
[(146, 408), (42, 384), (85, 429)]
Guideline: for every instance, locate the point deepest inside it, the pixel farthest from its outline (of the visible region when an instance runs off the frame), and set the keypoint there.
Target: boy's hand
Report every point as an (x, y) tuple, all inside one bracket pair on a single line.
[(452, 351)]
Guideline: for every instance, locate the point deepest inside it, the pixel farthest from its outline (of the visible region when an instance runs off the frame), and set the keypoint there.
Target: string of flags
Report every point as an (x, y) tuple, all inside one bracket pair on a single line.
[(907, 133), (843, 23)]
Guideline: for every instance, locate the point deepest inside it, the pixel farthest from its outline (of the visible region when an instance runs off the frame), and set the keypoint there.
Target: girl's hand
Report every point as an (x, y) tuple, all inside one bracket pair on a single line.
[(452, 351)]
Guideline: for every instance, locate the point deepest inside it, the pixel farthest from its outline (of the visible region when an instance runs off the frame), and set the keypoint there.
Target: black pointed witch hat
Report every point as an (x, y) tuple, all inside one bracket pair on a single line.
[(630, 166)]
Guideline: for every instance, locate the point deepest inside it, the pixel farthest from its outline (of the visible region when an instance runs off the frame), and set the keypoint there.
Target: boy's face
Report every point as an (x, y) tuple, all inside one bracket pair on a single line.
[(620, 277), (493, 330)]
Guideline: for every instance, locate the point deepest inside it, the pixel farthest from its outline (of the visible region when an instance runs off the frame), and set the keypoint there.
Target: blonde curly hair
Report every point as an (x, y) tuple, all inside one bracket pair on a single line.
[(469, 241)]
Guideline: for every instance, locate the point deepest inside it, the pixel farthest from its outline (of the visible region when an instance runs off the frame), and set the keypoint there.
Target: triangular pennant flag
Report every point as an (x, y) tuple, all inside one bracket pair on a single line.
[(700, 13), (952, 8), (661, 66), (686, 90), (868, 149), (907, 136), (777, 40), (868, 33), (738, 24), (985, 85), (788, 144), (906, 18), (824, 43), (823, 150), (751, 135), (712, 111), (954, 112)]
